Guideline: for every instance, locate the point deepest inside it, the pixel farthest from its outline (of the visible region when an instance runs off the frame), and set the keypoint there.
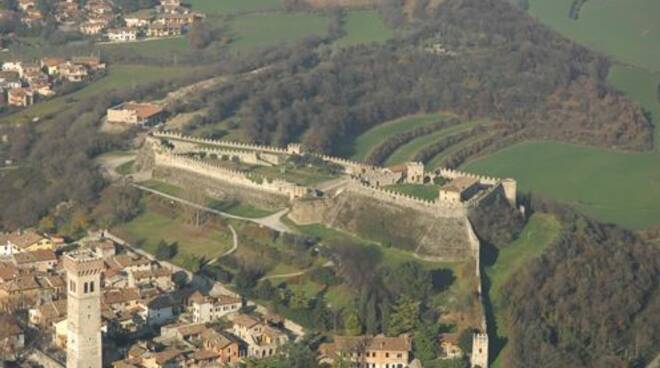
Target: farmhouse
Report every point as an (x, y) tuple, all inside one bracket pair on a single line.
[(163, 30), (369, 351), (92, 28), (136, 113), (23, 241), (139, 19), (52, 64), (73, 72)]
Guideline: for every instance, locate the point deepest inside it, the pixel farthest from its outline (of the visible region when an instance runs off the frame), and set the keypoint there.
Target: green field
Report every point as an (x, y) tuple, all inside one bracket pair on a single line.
[(363, 27), (538, 234), (378, 134), (214, 7), (256, 30), (628, 30), (151, 227), (166, 50), (428, 192), (622, 188), (119, 77)]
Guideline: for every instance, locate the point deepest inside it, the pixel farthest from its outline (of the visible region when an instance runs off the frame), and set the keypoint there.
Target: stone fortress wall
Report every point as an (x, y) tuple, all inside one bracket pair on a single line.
[(250, 153)]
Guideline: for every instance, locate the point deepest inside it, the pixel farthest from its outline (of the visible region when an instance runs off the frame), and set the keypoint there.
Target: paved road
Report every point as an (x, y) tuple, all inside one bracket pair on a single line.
[(273, 221)]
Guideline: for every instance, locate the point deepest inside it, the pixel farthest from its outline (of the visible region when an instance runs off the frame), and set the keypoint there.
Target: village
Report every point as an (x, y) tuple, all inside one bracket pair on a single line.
[(100, 302), (102, 20), (25, 83)]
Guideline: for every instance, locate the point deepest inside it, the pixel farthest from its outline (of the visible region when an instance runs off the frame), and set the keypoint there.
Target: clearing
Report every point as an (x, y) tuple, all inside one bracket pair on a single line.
[(363, 27)]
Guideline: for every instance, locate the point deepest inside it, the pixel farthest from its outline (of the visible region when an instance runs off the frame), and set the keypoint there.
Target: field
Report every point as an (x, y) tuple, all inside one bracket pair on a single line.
[(119, 77), (363, 27), (622, 188), (216, 7), (627, 30), (538, 234)]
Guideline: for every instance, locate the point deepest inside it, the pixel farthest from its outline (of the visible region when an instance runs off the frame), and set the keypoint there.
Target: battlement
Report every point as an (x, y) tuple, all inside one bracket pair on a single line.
[(452, 174), (83, 263), (221, 143)]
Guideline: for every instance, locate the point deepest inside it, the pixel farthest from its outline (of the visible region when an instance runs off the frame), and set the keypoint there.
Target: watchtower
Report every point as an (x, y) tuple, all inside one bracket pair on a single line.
[(479, 357), (84, 349), (510, 187), (415, 172)]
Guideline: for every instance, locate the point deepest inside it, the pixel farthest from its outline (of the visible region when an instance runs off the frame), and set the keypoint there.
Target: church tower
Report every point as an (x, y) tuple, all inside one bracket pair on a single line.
[(84, 349)]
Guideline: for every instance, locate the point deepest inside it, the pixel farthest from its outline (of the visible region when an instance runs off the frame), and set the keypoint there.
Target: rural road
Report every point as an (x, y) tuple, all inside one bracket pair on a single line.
[(273, 221), (296, 274)]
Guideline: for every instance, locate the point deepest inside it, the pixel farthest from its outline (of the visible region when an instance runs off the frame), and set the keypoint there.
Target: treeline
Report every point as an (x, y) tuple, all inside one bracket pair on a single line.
[(591, 300), (385, 149), (427, 153), (507, 67)]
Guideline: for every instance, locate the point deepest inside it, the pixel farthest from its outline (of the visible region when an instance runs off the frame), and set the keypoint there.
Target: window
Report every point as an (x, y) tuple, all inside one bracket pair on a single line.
[(91, 287), (86, 288)]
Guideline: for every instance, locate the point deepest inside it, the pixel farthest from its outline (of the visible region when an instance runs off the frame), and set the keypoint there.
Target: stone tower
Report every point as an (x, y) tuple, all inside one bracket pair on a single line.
[(83, 309), (479, 357), (510, 187)]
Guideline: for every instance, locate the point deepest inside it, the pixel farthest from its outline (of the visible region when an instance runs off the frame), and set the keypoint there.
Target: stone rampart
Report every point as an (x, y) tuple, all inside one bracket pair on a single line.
[(452, 174), (220, 143)]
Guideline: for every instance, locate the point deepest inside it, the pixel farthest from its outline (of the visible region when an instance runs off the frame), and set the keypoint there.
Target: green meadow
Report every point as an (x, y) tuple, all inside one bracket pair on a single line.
[(363, 27), (615, 187)]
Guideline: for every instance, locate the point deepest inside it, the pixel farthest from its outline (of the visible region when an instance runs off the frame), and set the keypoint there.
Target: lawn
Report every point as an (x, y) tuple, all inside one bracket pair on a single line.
[(119, 77), (166, 50), (428, 192), (126, 168), (151, 227), (160, 186), (239, 209), (640, 85), (538, 234), (304, 175), (627, 30), (363, 27), (622, 188), (258, 30), (215, 7), (406, 152), (368, 140)]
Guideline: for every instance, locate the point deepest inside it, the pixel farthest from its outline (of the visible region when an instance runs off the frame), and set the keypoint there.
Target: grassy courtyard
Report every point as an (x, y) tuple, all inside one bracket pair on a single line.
[(622, 188), (428, 192)]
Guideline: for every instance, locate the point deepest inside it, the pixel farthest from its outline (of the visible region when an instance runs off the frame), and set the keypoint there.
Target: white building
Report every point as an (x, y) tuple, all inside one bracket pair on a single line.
[(211, 309), (122, 34)]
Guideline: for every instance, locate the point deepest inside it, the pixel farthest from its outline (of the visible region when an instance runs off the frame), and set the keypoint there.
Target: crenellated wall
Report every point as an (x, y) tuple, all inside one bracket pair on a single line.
[(221, 143)]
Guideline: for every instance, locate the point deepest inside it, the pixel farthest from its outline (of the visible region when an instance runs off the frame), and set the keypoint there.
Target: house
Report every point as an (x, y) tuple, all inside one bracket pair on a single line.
[(181, 20), (449, 348), (122, 34), (209, 309), (42, 88), (103, 248), (163, 30), (23, 241), (21, 97), (227, 348), (52, 65), (92, 28), (158, 310), (8, 271), (54, 284), (369, 351), (40, 260), (262, 340), (24, 5), (139, 19), (121, 299), (459, 189), (12, 339), (136, 113), (47, 314), (99, 7), (155, 277), (90, 62), (73, 72), (126, 263), (10, 79)]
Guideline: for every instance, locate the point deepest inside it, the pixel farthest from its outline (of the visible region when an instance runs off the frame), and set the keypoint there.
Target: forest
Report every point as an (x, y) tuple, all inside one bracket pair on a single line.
[(591, 300), (503, 65)]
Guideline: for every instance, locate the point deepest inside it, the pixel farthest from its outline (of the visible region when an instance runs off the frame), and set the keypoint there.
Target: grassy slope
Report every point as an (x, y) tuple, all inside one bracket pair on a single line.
[(215, 7), (151, 226), (617, 187), (255, 30), (540, 232), (627, 30), (363, 27), (378, 134)]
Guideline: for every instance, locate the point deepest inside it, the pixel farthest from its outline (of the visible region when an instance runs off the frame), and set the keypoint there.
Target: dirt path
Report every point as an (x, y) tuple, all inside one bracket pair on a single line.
[(233, 248), (296, 274)]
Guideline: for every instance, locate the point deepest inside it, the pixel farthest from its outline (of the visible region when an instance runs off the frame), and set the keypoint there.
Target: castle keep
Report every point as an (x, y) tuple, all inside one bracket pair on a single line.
[(84, 349)]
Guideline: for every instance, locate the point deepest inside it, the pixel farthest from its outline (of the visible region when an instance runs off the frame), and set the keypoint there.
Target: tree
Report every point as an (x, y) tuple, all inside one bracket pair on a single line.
[(165, 251), (425, 343), (352, 325), (371, 318), (199, 36), (410, 279), (404, 317), (465, 340)]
